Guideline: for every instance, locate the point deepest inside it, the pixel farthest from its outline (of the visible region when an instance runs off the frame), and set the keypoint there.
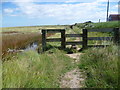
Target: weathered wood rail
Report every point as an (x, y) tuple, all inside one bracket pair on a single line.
[(44, 39), (84, 36), (74, 35), (114, 38)]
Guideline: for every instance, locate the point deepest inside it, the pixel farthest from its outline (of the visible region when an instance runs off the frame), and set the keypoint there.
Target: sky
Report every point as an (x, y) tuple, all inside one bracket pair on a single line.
[(54, 12)]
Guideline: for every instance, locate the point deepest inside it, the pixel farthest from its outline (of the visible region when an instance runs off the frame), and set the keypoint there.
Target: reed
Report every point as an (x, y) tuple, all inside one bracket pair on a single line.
[(19, 40)]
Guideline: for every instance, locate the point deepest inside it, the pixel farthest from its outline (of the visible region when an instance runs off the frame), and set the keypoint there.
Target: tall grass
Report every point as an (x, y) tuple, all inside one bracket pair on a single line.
[(33, 70), (0, 62), (101, 66), (16, 41), (19, 37)]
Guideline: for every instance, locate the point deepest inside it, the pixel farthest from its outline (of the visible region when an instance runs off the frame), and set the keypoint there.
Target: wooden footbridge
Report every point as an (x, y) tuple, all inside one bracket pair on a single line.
[(84, 36)]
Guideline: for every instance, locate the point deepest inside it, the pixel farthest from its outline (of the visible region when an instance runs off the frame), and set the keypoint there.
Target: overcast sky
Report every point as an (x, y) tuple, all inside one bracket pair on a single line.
[(54, 12)]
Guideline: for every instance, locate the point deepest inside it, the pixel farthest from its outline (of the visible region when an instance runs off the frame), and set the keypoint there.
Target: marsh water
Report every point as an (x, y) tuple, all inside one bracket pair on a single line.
[(33, 46)]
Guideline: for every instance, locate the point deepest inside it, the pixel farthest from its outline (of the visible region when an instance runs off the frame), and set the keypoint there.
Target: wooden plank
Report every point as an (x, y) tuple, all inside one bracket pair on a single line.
[(63, 39), (43, 40), (100, 38), (101, 30), (53, 40), (85, 40), (98, 45), (74, 35), (53, 30), (74, 43)]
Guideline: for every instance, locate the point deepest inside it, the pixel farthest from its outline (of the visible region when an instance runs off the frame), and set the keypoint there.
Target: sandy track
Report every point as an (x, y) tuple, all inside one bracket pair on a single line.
[(74, 78)]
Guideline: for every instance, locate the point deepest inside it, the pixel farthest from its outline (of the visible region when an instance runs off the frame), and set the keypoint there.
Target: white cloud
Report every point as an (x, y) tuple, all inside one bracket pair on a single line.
[(8, 10), (19, 0), (80, 11), (68, 1), (13, 15), (34, 0), (62, 12), (59, 0), (115, 6), (107, 0)]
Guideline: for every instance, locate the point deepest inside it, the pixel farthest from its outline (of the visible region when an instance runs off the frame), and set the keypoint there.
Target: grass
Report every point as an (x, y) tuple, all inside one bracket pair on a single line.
[(78, 29), (20, 37), (100, 64), (111, 24), (17, 41), (101, 67), (99, 34), (33, 70), (30, 69), (0, 62), (0, 74), (30, 28)]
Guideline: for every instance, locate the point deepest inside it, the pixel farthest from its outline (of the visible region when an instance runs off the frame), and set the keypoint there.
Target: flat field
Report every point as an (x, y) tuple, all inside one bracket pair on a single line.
[(19, 37)]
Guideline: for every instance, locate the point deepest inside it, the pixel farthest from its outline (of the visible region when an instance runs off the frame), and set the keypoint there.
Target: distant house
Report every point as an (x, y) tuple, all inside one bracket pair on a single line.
[(114, 17)]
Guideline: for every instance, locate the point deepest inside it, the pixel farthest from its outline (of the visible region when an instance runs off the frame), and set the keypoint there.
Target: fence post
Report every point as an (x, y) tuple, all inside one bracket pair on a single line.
[(63, 39), (85, 40), (43, 40), (116, 36)]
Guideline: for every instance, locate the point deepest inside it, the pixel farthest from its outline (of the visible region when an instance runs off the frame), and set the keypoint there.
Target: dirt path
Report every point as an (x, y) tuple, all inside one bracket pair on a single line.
[(74, 78)]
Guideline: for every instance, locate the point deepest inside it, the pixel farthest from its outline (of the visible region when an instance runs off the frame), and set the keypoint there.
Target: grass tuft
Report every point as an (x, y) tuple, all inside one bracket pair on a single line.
[(101, 67), (33, 70)]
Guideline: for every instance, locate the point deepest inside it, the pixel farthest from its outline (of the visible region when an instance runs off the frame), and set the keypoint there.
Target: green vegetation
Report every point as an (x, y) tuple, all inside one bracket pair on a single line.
[(100, 65), (20, 37), (33, 70), (78, 29), (0, 73), (99, 34), (111, 24), (30, 69)]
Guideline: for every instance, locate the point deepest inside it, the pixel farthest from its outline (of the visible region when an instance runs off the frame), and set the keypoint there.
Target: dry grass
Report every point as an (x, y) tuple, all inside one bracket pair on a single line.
[(19, 40), (9, 32), (30, 28), (19, 37)]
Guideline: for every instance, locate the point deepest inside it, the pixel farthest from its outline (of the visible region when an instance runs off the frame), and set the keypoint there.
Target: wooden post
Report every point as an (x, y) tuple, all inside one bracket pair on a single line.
[(63, 39), (43, 40), (116, 36), (85, 38)]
